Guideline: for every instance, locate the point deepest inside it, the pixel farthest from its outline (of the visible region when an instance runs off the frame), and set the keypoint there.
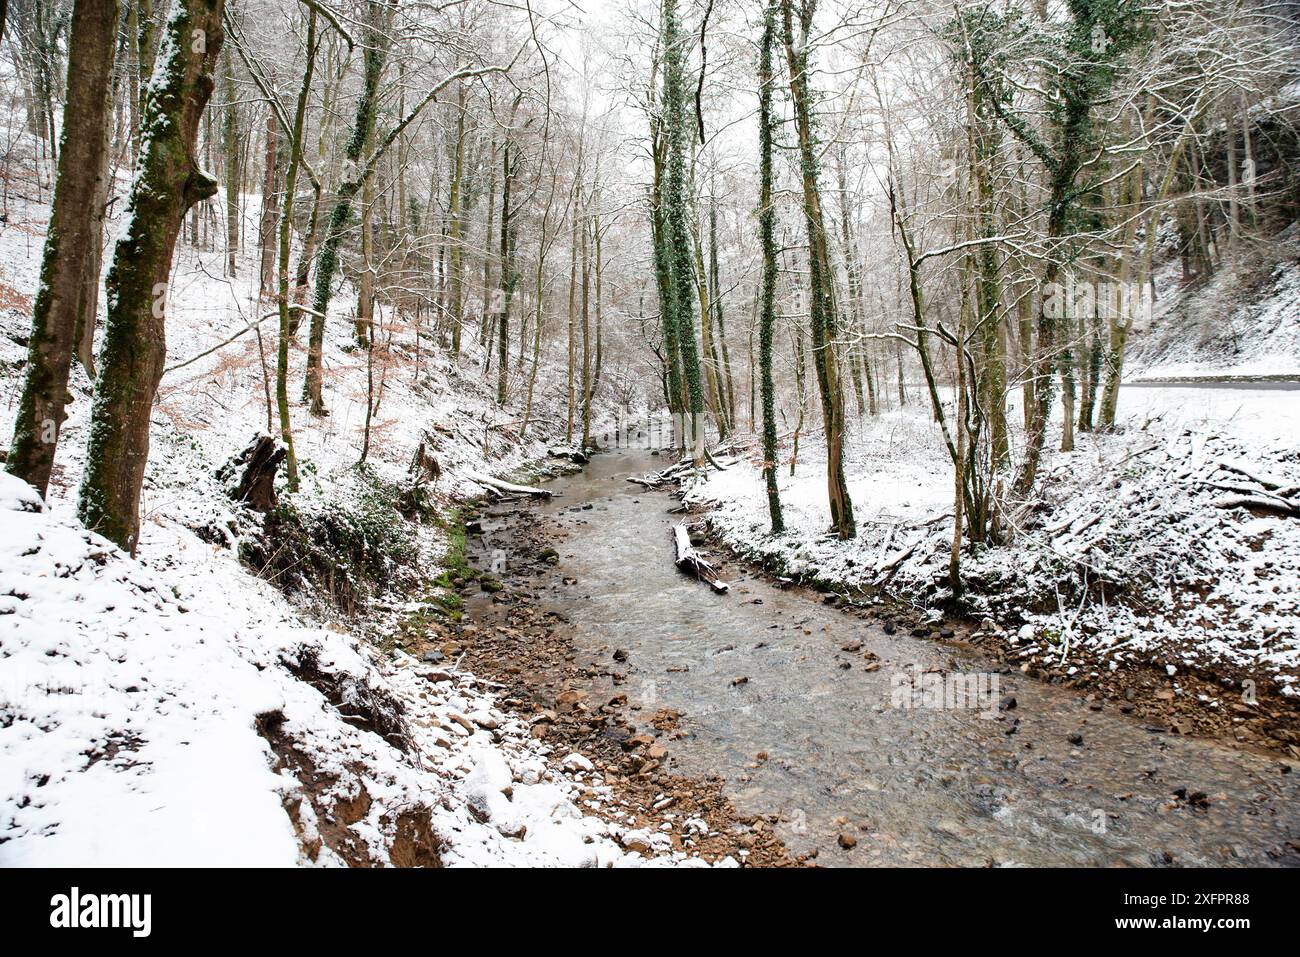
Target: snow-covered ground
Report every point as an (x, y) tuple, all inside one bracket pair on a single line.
[(176, 708), (133, 697), (1243, 323), (1187, 582)]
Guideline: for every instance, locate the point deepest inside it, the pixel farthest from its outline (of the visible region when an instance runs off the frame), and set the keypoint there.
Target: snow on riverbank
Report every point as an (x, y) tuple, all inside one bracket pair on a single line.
[(1130, 558)]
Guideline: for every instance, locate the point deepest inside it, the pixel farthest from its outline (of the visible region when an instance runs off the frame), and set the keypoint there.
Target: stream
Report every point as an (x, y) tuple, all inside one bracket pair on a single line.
[(849, 755)]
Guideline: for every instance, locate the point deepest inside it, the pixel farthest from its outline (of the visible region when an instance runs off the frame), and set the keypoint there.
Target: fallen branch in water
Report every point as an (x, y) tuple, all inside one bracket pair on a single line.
[(692, 562), (509, 487)]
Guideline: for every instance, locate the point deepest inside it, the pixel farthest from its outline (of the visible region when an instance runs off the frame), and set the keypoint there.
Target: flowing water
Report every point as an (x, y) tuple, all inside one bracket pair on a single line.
[(850, 752)]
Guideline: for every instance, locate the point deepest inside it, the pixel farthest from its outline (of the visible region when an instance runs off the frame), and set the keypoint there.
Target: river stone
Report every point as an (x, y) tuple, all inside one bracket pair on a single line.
[(570, 699)]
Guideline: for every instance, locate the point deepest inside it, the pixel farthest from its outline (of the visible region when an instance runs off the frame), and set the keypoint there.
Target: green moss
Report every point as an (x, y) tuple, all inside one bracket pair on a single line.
[(445, 599)]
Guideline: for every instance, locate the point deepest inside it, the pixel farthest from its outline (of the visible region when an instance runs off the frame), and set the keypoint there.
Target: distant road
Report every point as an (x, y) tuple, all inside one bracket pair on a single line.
[(1273, 383)]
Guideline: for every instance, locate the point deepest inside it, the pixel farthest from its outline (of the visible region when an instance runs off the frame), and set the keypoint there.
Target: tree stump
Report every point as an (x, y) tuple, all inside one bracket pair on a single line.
[(424, 467), (258, 463)]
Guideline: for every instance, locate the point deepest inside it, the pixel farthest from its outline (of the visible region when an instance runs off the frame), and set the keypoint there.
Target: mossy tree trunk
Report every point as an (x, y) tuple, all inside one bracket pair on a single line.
[(767, 239), (376, 48), (168, 182), (673, 386), (677, 231), (72, 240)]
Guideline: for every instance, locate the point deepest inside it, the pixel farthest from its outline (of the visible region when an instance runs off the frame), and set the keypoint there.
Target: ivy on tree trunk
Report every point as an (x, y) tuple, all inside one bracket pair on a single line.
[(767, 239)]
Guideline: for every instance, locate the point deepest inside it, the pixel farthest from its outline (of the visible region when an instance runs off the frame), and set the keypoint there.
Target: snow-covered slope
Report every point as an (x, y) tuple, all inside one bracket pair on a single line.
[(175, 708), (1243, 323), (140, 708)]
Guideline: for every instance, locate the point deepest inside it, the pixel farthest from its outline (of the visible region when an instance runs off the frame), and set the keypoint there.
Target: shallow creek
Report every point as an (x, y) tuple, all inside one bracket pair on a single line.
[(1048, 782)]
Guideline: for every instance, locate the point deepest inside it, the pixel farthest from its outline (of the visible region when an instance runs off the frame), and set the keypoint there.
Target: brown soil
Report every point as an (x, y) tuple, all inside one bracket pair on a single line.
[(413, 842)]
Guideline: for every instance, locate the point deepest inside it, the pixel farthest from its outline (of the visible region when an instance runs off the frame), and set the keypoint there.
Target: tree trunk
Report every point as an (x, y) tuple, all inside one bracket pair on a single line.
[(286, 223), (167, 184), (1120, 319), (570, 408), (586, 332), (485, 314), (362, 331), (673, 383), (822, 318), (678, 234), (230, 138), (454, 238), (709, 347), (508, 169), (767, 240), (726, 386), (854, 309), (73, 240), (270, 207), (88, 301), (598, 266), (985, 149), (328, 259), (258, 464)]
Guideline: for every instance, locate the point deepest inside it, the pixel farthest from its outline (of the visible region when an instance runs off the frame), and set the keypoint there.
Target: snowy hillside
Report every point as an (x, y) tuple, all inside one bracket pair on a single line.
[(183, 698), (1244, 323)]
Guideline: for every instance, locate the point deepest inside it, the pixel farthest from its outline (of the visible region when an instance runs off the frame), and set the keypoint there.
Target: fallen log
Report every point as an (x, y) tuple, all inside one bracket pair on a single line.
[(713, 461), (677, 469), (1269, 482), (573, 454), (886, 569), (1269, 504), (693, 563), (884, 545), (509, 487)]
